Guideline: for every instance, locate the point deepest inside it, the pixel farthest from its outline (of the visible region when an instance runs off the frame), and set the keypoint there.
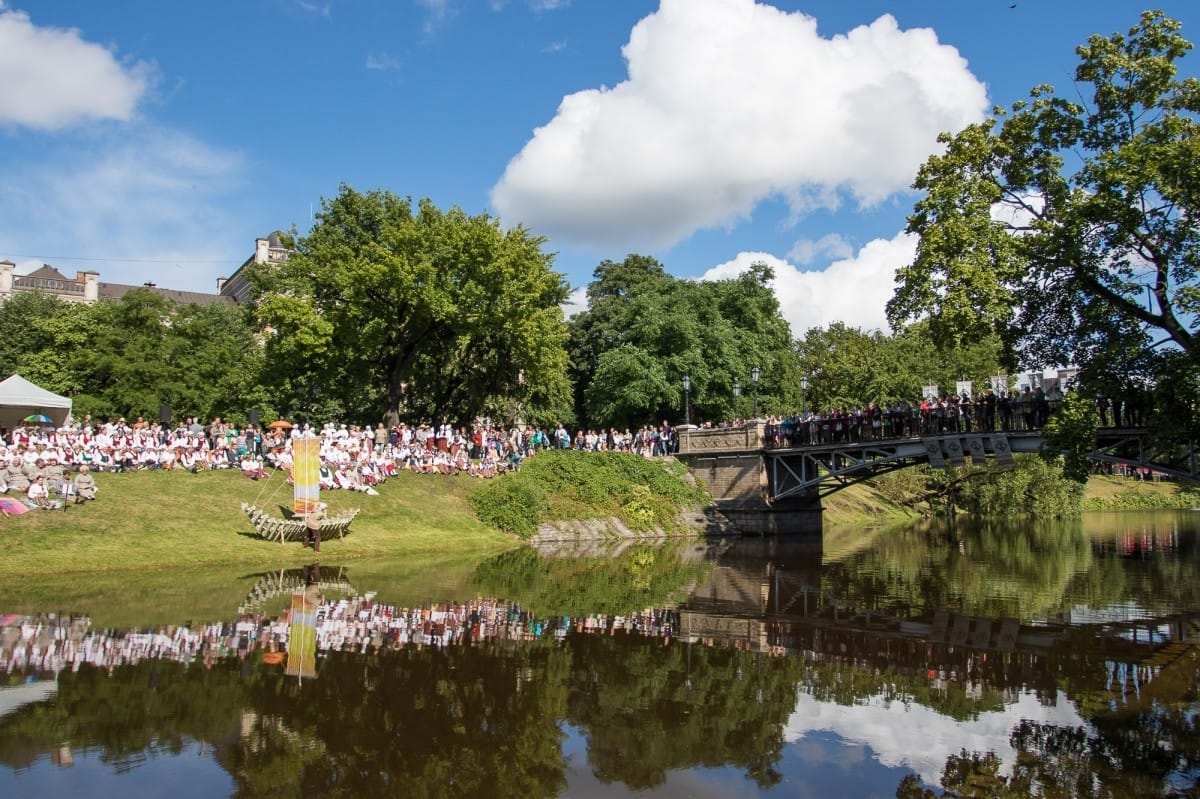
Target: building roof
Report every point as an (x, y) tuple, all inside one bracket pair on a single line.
[(48, 272), (115, 291)]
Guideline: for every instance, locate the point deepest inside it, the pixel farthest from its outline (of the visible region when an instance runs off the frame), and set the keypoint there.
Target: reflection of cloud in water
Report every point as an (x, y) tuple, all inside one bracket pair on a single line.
[(889, 727)]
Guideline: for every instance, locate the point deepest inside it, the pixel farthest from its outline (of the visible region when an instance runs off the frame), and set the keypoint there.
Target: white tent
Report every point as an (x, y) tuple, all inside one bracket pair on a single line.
[(20, 398)]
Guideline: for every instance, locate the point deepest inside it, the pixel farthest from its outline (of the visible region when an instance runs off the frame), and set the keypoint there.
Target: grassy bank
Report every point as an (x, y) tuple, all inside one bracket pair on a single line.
[(1124, 493), (170, 521), (175, 520)]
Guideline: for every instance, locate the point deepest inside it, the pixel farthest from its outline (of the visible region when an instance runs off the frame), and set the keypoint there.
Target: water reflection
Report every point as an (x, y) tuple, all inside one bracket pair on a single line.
[(986, 660)]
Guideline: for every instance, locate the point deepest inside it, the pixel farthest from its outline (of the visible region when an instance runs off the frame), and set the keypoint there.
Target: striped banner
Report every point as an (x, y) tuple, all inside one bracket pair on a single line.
[(302, 637), (306, 474)]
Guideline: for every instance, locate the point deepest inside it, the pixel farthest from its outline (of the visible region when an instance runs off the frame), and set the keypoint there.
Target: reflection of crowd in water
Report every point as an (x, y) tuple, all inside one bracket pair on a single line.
[(48, 644), (362, 623), (41, 646)]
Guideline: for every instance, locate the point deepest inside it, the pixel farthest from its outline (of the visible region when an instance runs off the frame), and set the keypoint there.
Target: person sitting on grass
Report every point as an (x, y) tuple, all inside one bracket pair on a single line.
[(15, 477), (85, 484), (251, 467), (53, 471), (38, 495)]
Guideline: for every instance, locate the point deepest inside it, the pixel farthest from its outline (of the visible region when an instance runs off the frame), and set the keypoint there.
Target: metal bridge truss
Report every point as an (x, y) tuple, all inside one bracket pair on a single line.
[(803, 472)]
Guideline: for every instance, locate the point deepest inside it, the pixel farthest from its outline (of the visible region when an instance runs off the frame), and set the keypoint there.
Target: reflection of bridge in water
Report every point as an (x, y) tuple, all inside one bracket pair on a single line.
[(770, 479), (781, 607)]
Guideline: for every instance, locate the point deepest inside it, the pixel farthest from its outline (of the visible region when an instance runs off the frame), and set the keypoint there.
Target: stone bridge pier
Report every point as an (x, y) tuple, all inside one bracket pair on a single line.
[(730, 463)]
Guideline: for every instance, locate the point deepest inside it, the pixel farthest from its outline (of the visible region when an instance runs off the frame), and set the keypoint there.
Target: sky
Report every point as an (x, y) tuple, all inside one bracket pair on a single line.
[(155, 141)]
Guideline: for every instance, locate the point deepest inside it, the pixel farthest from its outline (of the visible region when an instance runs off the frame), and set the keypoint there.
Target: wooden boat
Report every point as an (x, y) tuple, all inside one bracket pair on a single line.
[(296, 529)]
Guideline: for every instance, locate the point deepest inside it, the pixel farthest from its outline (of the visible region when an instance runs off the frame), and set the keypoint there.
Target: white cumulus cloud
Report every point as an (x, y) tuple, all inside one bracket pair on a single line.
[(853, 290), (805, 251), (731, 102), (51, 78)]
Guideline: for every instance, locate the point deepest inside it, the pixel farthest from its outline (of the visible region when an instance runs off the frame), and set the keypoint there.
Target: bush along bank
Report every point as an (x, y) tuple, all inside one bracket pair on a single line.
[(614, 493)]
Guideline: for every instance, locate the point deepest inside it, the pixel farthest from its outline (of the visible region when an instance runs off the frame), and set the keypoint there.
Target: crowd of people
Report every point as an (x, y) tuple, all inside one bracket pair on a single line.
[(49, 643), (987, 411), (50, 467)]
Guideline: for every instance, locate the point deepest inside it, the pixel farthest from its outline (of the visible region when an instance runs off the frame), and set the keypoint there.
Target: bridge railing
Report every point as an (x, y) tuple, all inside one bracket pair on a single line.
[(818, 429)]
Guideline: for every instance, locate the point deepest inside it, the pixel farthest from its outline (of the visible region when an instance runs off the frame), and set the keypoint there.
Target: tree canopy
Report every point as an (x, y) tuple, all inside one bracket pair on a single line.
[(850, 367), (131, 355), (1068, 226), (389, 311), (645, 330)]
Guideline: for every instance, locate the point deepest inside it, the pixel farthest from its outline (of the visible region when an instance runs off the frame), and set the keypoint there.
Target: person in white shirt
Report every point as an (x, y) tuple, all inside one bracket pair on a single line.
[(39, 495)]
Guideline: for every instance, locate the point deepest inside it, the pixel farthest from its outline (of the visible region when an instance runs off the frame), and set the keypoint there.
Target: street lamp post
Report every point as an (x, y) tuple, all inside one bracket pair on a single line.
[(687, 389), (737, 397), (755, 373), (803, 419)]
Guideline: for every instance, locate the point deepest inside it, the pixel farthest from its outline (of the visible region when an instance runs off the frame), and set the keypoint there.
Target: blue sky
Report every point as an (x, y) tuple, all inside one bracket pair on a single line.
[(154, 141)]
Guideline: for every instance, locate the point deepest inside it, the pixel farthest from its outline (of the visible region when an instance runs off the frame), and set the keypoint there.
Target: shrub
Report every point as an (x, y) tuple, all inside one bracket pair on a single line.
[(561, 485)]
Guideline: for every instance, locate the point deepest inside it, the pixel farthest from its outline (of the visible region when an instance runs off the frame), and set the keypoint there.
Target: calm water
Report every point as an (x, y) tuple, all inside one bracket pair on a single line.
[(1045, 660)]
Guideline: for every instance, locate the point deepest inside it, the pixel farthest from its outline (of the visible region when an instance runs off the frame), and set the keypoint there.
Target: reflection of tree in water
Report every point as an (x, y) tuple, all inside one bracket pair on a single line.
[(1026, 571), (1148, 748), (459, 721), (1145, 758), (645, 575), (650, 709), (485, 719), (151, 706)]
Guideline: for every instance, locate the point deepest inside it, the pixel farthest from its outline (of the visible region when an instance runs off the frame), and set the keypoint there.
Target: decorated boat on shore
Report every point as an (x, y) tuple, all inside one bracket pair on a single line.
[(307, 508), (296, 528)]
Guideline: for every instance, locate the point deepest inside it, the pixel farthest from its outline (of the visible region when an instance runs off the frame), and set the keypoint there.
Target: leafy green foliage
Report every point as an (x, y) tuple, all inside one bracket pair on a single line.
[(129, 356), (512, 505), (388, 311), (562, 485), (1032, 487), (1070, 435), (644, 331), (849, 367), (1069, 228)]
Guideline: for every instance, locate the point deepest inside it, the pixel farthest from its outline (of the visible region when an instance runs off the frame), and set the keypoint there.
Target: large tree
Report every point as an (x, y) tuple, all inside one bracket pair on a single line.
[(1069, 226), (145, 351), (645, 330), (386, 311)]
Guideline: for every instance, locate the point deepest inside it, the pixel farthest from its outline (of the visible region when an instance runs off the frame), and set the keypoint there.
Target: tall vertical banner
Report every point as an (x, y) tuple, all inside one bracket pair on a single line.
[(302, 636), (306, 473)]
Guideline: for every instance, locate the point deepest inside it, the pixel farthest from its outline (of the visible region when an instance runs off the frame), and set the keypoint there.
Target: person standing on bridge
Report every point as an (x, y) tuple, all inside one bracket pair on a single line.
[(989, 410)]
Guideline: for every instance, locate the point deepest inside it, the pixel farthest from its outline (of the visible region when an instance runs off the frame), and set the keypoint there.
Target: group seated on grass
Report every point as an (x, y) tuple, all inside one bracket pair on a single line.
[(352, 458)]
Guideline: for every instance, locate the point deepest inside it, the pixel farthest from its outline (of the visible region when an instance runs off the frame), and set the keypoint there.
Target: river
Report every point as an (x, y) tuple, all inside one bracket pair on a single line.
[(1000, 659)]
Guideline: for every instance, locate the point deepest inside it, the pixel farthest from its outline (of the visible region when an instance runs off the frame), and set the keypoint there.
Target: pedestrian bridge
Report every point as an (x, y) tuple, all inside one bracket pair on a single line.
[(768, 479)]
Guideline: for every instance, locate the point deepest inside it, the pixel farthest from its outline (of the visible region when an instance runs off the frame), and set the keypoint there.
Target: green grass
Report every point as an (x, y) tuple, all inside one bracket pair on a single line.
[(175, 521), (1124, 493)]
